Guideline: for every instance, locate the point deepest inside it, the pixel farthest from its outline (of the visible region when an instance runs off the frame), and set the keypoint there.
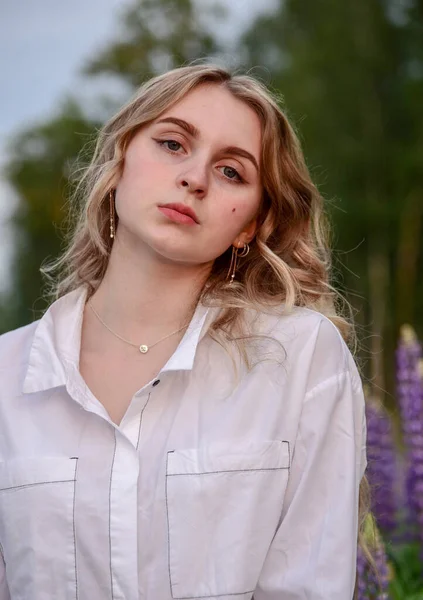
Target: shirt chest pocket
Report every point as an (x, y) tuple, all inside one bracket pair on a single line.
[(37, 528), (223, 506)]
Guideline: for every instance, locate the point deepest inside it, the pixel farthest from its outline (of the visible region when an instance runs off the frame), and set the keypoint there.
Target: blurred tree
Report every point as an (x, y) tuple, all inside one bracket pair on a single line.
[(158, 36), (41, 161), (351, 74), (155, 35)]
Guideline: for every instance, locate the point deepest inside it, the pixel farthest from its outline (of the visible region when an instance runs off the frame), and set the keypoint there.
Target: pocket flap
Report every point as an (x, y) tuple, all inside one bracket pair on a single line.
[(20, 472), (227, 456)]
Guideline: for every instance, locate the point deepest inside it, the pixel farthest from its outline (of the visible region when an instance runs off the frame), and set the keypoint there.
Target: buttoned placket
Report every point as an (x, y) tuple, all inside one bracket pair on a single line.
[(123, 489)]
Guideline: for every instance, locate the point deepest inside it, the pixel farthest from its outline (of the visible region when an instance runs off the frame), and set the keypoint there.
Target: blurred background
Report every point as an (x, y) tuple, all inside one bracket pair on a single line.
[(351, 76)]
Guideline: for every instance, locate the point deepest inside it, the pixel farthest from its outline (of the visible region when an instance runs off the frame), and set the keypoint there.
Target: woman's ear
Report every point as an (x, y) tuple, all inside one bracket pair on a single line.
[(246, 235), (250, 231)]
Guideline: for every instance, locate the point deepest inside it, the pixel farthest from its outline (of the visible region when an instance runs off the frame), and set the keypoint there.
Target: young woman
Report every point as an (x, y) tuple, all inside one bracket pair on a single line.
[(186, 420)]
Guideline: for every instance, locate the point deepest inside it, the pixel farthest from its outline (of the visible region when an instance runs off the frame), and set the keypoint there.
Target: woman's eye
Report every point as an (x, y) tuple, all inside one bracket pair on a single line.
[(171, 145), (231, 173)]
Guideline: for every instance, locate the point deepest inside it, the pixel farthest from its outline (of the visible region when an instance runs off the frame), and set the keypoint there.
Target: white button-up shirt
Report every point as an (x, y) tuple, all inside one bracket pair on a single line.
[(212, 486)]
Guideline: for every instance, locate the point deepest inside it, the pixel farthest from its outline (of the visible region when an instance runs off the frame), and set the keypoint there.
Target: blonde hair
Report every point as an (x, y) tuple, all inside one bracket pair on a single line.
[(289, 261)]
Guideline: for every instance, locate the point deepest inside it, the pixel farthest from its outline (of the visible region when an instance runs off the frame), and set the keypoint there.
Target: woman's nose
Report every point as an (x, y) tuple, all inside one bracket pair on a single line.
[(195, 180)]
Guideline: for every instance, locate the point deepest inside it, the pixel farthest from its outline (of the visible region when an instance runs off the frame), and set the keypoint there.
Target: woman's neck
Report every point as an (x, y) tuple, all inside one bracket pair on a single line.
[(141, 294)]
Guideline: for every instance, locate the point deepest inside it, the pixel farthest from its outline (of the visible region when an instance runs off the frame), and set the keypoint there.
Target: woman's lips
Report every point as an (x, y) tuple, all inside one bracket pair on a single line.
[(177, 216)]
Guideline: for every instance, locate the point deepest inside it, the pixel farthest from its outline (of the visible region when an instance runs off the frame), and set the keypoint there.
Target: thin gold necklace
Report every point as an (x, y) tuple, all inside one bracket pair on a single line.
[(143, 348)]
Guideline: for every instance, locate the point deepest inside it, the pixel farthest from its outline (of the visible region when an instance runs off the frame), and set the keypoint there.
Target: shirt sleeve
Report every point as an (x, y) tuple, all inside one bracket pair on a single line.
[(4, 589), (313, 553)]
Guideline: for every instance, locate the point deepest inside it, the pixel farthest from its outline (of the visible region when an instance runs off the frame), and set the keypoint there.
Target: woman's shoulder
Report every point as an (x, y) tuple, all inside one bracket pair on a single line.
[(311, 339), (298, 322)]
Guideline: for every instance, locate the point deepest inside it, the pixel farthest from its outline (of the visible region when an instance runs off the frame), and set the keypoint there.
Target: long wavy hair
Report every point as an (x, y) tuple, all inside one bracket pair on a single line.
[(290, 259)]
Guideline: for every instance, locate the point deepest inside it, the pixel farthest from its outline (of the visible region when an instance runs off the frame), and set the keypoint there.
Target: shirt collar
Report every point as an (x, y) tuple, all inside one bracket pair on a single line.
[(55, 348)]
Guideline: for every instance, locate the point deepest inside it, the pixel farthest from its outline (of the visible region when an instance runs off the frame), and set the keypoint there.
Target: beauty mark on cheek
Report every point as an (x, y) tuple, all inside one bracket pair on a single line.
[(234, 209)]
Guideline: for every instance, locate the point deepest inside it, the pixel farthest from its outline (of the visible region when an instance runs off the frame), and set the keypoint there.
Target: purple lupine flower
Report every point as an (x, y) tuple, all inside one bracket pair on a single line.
[(372, 586), (410, 396), (361, 574), (382, 469), (377, 587)]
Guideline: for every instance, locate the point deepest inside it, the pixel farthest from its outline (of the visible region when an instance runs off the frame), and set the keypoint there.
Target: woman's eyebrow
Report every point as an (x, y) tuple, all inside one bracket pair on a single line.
[(241, 152), (189, 128), (195, 133)]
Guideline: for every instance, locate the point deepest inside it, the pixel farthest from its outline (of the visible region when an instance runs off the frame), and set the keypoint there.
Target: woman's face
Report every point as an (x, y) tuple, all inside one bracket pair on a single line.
[(202, 154)]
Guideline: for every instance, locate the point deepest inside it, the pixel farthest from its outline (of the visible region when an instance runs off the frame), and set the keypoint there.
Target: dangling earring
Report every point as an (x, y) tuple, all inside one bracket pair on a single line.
[(112, 214), (234, 259)]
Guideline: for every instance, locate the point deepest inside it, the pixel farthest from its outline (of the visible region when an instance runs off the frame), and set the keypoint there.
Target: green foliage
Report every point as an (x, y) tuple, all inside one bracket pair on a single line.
[(157, 36), (407, 583), (40, 166)]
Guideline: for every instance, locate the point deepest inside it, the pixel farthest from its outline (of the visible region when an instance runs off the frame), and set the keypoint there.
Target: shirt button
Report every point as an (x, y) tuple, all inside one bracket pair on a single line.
[(156, 382)]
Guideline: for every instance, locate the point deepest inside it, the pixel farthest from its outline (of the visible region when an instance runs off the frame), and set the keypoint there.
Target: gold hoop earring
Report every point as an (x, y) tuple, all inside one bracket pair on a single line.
[(244, 251), (234, 259), (112, 214)]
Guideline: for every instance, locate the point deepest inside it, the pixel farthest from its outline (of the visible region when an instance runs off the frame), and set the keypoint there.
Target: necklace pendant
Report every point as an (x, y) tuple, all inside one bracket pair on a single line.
[(143, 348)]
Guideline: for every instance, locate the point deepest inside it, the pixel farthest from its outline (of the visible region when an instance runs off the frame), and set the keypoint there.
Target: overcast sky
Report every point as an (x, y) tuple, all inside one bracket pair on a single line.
[(43, 44)]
